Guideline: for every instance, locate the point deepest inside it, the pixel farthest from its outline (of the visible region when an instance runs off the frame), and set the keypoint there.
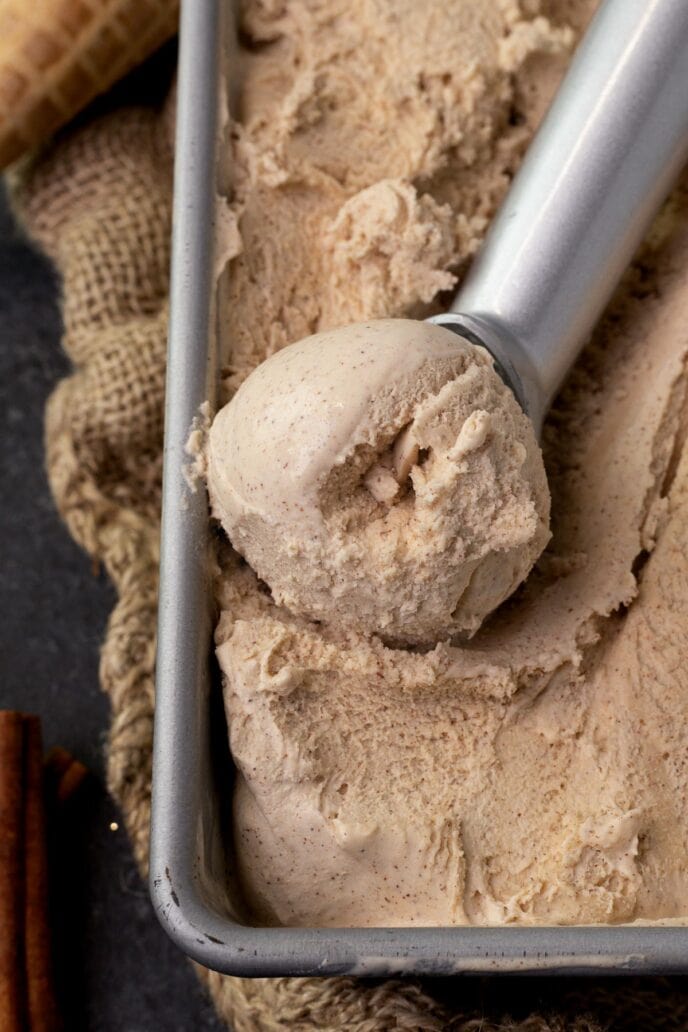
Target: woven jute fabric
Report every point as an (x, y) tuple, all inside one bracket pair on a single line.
[(99, 204)]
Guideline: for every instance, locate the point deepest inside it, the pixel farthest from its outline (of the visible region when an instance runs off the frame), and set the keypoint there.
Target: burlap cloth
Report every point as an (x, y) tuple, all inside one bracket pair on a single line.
[(98, 202)]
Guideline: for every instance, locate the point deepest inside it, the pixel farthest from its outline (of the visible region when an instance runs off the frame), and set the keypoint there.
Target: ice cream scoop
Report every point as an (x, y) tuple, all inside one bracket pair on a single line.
[(385, 477), (604, 159)]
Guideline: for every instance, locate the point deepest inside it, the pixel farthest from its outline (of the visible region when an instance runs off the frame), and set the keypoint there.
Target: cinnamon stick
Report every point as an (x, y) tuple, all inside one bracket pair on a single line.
[(12, 980), (66, 775), (41, 1004), (27, 999)]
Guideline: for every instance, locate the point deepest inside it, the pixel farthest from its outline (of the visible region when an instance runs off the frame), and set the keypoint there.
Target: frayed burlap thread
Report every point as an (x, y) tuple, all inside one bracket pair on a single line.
[(98, 203)]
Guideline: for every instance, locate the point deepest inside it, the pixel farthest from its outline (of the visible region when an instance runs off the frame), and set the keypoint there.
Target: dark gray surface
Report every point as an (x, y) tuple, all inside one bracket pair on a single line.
[(118, 971)]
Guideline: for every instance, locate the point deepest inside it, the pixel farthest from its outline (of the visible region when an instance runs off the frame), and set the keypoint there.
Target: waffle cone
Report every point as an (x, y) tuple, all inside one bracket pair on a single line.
[(57, 55)]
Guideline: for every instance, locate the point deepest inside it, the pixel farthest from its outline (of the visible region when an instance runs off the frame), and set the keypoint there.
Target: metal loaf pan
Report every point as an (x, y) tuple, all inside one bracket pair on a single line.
[(193, 887)]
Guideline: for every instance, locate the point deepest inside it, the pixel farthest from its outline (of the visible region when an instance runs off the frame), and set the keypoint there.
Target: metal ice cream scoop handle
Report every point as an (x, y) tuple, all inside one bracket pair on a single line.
[(604, 159)]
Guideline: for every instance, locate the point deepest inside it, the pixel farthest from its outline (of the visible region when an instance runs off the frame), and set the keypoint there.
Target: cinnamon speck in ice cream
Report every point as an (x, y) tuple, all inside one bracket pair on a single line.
[(436, 753)]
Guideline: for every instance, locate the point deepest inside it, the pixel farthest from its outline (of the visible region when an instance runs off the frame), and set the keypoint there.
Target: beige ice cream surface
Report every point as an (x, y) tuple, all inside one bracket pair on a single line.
[(382, 478), (537, 772)]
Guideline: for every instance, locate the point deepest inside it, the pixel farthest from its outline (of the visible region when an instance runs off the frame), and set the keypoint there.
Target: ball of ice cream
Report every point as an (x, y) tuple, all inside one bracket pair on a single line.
[(381, 478)]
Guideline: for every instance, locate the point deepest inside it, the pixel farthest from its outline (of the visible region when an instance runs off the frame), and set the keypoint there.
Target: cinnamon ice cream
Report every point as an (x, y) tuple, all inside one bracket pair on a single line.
[(381, 477), (535, 773)]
